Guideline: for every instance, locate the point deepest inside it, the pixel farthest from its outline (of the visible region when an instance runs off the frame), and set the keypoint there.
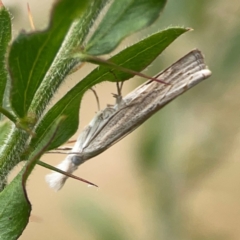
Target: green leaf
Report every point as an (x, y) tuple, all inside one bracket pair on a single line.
[(15, 209), (123, 18), (42, 53), (136, 57), (34, 57), (5, 37), (15, 206)]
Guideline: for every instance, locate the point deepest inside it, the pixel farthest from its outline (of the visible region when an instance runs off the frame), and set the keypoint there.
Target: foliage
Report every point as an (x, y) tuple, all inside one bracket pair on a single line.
[(34, 65), (187, 156)]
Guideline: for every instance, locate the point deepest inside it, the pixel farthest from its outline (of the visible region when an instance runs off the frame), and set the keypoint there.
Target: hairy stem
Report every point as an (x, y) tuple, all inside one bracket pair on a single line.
[(10, 153)]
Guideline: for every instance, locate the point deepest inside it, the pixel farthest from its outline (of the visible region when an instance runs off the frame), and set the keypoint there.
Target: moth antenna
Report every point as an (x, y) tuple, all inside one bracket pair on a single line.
[(30, 18)]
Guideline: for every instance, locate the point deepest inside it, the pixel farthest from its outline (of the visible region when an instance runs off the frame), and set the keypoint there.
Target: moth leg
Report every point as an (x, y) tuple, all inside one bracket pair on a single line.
[(97, 98), (64, 149), (119, 85), (118, 95), (71, 141), (119, 88)]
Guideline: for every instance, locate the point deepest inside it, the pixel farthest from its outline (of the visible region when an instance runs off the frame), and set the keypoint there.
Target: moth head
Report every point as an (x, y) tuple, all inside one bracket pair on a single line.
[(77, 160)]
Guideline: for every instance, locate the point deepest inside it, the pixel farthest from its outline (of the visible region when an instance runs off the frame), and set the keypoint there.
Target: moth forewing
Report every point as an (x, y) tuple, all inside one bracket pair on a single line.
[(144, 101), (96, 125), (112, 124)]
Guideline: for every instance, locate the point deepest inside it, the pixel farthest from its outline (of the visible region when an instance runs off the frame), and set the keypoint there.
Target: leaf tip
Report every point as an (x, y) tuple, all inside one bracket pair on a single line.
[(189, 29)]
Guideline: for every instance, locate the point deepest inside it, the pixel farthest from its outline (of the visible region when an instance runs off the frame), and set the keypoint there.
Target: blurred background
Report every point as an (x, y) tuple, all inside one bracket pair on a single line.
[(177, 176)]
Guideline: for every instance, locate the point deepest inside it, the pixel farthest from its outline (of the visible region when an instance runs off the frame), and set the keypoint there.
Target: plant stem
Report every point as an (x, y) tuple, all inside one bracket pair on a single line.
[(11, 152), (9, 115)]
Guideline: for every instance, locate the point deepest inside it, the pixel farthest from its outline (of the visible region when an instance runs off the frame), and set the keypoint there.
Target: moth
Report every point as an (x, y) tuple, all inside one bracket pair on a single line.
[(115, 122)]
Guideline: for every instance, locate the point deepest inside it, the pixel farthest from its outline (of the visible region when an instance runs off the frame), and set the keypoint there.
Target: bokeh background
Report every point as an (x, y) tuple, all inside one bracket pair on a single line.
[(177, 176)]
